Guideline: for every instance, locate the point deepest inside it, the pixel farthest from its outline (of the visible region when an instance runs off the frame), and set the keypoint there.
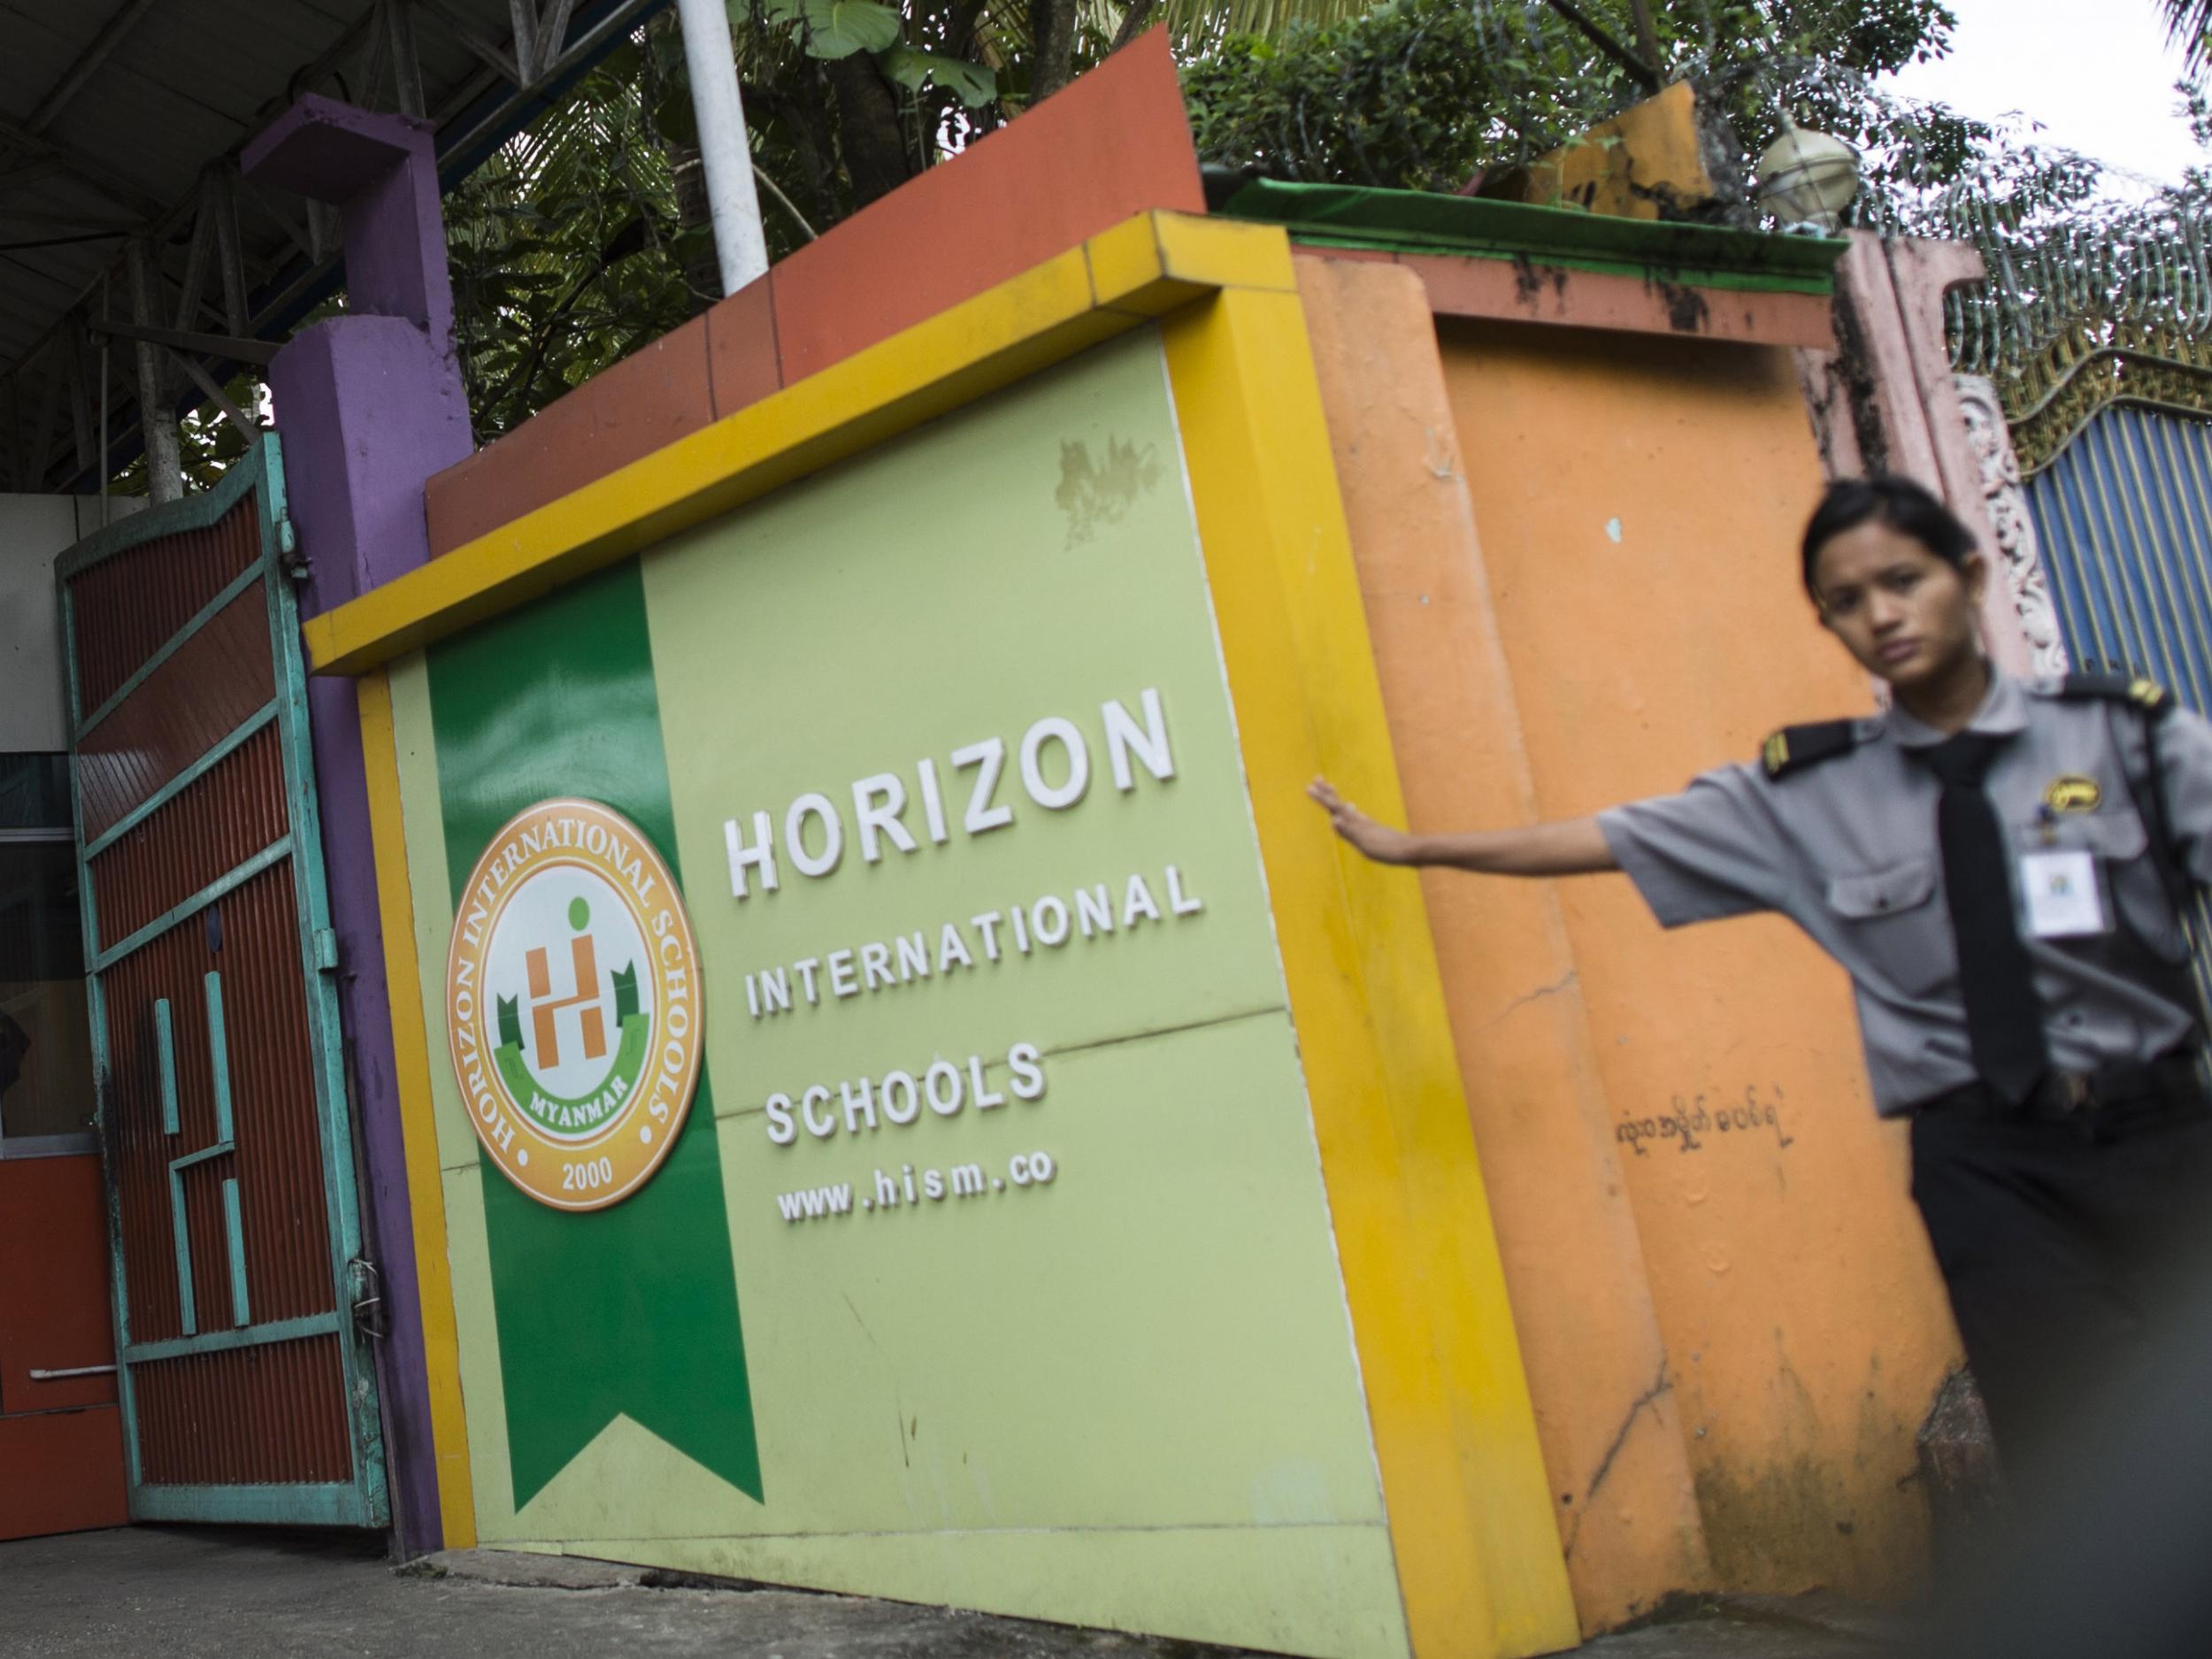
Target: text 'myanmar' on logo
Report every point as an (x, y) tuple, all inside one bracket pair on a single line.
[(574, 1005)]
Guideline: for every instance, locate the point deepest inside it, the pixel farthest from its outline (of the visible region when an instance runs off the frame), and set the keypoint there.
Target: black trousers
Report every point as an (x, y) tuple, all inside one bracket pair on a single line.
[(2064, 1245)]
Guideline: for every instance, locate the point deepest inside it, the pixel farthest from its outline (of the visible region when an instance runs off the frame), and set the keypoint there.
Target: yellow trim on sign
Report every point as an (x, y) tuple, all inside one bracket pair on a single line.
[(411, 1062), (1131, 274), (1128, 262), (1479, 1564)]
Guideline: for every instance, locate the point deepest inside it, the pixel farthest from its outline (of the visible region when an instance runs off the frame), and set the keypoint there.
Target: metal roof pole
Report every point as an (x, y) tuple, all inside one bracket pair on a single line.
[(88, 65), (399, 34), (222, 206), (80, 401), (196, 260), (164, 463), (724, 145), (107, 469), (48, 406)]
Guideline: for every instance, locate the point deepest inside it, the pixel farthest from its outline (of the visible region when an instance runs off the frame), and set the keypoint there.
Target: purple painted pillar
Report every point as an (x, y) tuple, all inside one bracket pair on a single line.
[(369, 405)]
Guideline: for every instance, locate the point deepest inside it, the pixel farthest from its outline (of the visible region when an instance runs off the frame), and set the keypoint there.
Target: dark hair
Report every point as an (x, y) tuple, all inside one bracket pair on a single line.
[(1904, 506)]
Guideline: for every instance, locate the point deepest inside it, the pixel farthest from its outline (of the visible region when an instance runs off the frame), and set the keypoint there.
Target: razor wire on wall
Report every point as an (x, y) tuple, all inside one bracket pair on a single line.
[(2099, 285)]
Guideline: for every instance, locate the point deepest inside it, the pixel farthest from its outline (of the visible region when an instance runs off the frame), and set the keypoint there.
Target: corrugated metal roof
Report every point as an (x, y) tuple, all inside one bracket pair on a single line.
[(115, 117)]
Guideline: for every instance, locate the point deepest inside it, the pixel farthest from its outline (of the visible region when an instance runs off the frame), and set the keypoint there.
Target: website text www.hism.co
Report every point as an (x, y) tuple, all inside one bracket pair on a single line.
[(912, 1187)]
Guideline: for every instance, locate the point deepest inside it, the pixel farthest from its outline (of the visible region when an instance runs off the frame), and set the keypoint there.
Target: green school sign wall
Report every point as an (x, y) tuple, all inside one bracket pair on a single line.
[(991, 1263)]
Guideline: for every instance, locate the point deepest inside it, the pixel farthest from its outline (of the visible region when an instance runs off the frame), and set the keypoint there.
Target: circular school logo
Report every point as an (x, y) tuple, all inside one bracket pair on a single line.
[(572, 1004)]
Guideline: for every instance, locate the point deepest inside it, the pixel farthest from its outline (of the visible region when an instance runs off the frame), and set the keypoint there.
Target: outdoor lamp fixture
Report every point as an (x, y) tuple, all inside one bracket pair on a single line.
[(1806, 180)]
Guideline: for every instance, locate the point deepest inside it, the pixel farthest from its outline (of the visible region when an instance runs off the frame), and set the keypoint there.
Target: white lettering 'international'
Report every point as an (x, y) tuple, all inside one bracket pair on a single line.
[(1035, 927)]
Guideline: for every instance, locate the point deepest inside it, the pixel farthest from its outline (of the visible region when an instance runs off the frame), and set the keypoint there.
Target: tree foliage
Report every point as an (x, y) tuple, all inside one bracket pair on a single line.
[(1415, 94), (207, 443), (587, 236), (2189, 25), (1427, 94), (568, 249), (2085, 267)]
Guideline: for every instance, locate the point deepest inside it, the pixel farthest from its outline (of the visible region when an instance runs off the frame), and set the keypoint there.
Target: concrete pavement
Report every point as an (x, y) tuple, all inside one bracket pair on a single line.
[(210, 1593)]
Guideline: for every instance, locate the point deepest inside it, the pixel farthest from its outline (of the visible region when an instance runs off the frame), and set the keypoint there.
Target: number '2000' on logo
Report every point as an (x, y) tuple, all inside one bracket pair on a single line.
[(572, 1004)]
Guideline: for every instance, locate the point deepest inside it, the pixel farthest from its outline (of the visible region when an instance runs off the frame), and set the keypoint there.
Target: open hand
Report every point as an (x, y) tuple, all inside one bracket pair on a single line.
[(1378, 842)]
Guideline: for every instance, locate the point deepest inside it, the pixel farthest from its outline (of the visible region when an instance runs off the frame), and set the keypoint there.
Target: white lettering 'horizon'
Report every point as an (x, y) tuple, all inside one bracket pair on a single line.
[(1053, 760)]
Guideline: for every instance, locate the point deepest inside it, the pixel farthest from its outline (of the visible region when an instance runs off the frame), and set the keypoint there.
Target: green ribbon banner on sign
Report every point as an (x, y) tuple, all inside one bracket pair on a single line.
[(631, 1310)]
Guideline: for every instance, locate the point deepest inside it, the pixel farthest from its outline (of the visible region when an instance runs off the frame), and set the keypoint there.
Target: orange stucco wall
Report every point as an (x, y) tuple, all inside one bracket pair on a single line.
[(1577, 554)]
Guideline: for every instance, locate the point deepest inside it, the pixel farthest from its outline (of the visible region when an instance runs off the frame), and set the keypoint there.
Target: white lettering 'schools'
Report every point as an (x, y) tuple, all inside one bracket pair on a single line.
[(859, 1104)]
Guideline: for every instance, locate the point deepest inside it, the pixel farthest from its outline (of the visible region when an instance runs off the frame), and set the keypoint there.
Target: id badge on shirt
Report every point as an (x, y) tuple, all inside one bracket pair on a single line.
[(2062, 895)]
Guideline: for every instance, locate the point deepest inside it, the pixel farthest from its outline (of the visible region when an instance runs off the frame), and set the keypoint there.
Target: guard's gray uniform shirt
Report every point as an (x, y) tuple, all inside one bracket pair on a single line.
[(1846, 849)]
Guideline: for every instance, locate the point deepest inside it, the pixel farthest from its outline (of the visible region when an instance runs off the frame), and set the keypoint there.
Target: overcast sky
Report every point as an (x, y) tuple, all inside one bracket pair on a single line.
[(2097, 73)]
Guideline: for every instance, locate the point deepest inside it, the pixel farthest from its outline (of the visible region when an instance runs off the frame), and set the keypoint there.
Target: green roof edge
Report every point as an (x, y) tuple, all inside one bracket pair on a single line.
[(1415, 221)]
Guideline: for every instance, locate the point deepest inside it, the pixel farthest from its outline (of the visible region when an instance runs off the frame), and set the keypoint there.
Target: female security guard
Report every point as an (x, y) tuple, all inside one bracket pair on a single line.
[(2000, 867)]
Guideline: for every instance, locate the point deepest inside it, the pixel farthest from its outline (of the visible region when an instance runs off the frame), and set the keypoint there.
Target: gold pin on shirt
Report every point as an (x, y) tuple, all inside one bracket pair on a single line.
[(2070, 792)]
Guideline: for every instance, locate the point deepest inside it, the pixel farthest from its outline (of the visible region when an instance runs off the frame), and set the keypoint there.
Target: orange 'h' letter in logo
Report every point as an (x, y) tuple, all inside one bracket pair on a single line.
[(544, 1005)]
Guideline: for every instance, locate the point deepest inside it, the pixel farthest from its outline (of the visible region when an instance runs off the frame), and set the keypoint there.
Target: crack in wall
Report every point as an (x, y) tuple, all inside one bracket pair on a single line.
[(1661, 1386), (1536, 996)]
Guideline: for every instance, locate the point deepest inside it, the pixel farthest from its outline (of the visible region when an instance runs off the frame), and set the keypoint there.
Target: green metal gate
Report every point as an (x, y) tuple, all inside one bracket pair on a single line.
[(247, 1387)]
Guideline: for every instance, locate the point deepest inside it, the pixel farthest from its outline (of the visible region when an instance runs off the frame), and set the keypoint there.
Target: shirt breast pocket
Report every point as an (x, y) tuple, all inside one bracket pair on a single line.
[(2121, 842), (1889, 929)]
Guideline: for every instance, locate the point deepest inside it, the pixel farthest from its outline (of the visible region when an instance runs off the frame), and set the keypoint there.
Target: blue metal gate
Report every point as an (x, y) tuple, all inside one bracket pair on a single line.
[(2125, 515), (2123, 512)]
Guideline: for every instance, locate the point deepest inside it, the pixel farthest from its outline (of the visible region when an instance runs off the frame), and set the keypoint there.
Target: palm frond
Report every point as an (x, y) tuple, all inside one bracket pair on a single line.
[(2189, 25), (1196, 23)]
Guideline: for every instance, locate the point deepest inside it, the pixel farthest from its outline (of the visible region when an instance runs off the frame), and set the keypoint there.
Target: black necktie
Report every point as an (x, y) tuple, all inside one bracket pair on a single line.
[(2004, 1020)]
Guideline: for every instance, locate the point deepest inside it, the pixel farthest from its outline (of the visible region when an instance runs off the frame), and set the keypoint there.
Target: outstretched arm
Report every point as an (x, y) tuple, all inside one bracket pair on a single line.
[(1576, 847)]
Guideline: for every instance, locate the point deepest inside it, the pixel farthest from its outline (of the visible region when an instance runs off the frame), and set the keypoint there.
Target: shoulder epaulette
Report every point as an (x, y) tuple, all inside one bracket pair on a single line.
[(2147, 695), (1794, 748)]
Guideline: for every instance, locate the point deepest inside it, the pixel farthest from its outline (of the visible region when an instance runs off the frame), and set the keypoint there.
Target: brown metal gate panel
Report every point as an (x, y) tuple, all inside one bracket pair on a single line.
[(247, 1388), (144, 602), (266, 1416), (231, 813), (278, 1165), (184, 707)]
